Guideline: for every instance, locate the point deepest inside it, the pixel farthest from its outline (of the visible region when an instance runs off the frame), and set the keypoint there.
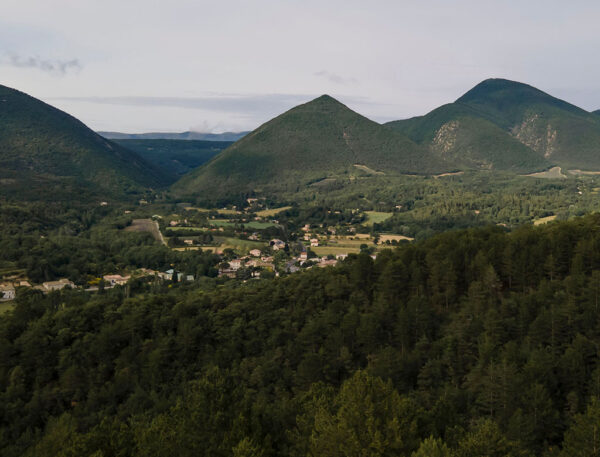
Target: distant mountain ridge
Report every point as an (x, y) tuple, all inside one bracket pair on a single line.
[(175, 157), (551, 130), (225, 136), (47, 154)]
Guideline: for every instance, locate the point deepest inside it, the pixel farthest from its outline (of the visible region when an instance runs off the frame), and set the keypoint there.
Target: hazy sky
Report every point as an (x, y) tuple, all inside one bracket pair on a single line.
[(174, 65)]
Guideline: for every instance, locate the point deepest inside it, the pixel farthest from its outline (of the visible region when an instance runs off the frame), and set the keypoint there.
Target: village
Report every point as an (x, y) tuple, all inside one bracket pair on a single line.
[(250, 243)]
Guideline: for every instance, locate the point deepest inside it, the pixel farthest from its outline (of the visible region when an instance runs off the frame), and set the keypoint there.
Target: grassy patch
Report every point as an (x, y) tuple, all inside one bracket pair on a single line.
[(6, 306), (544, 220), (376, 217), (272, 212), (240, 245), (252, 224), (333, 250), (384, 238), (553, 173)]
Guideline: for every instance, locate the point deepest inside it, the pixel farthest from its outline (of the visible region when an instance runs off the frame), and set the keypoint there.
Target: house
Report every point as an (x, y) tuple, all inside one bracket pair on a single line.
[(327, 263), (314, 242), (116, 280), (306, 228), (103, 203), (189, 242), (255, 253), (57, 285), (228, 273), (303, 256), (7, 292), (251, 200), (341, 256), (235, 264), (307, 237), (277, 244), (168, 275), (267, 258), (253, 237), (174, 223)]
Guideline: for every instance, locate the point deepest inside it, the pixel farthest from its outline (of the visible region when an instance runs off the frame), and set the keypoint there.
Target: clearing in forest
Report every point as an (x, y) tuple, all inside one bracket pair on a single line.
[(146, 225), (272, 212), (553, 173), (376, 217)]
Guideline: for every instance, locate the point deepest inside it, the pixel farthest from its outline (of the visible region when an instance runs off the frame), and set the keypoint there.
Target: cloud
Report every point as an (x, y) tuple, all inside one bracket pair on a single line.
[(336, 79), (248, 105), (55, 67)]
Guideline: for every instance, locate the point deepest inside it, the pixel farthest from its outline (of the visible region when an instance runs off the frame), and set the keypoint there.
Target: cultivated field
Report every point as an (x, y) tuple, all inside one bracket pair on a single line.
[(384, 238), (272, 212), (544, 220)]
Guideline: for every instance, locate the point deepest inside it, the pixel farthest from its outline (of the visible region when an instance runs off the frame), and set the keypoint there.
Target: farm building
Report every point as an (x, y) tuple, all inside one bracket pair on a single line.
[(7, 292), (116, 280), (56, 285)]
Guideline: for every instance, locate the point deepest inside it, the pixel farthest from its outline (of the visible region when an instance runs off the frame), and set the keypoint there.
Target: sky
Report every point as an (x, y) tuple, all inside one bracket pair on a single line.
[(230, 65)]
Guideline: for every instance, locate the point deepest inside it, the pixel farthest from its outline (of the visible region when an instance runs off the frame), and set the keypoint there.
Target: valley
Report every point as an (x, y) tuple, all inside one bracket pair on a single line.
[(437, 277)]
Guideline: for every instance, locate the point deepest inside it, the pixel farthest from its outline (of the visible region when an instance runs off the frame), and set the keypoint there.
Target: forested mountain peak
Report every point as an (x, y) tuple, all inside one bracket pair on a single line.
[(318, 140), (45, 150)]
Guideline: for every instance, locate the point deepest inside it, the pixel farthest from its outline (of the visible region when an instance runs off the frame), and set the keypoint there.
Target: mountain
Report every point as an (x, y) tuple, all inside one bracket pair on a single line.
[(225, 136), (556, 131), (307, 144), (175, 157), (46, 153), (458, 133), (596, 112)]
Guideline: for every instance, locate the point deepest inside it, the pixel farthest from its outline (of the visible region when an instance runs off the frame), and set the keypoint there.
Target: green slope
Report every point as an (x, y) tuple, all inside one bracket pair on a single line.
[(175, 157), (48, 154), (557, 131), (314, 141), (457, 133)]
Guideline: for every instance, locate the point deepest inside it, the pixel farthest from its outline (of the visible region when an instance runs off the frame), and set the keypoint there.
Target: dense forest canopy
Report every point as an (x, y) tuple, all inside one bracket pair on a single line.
[(473, 342)]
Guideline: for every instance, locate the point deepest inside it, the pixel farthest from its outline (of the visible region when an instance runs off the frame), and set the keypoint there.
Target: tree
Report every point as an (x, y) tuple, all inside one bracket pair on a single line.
[(582, 439), (432, 447), (368, 418)]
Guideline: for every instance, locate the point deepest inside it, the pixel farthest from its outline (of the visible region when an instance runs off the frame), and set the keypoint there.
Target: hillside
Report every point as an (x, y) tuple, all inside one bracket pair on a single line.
[(319, 140), (556, 131), (46, 153), (472, 343), (456, 132), (189, 136), (175, 157)]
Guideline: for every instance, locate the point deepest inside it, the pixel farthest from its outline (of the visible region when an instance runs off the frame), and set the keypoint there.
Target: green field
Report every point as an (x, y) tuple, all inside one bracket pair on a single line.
[(333, 250), (376, 217), (239, 245), (252, 224)]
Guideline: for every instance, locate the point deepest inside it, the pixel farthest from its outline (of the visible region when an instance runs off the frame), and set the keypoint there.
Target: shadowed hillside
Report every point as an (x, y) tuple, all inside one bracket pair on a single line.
[(46, 153)]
